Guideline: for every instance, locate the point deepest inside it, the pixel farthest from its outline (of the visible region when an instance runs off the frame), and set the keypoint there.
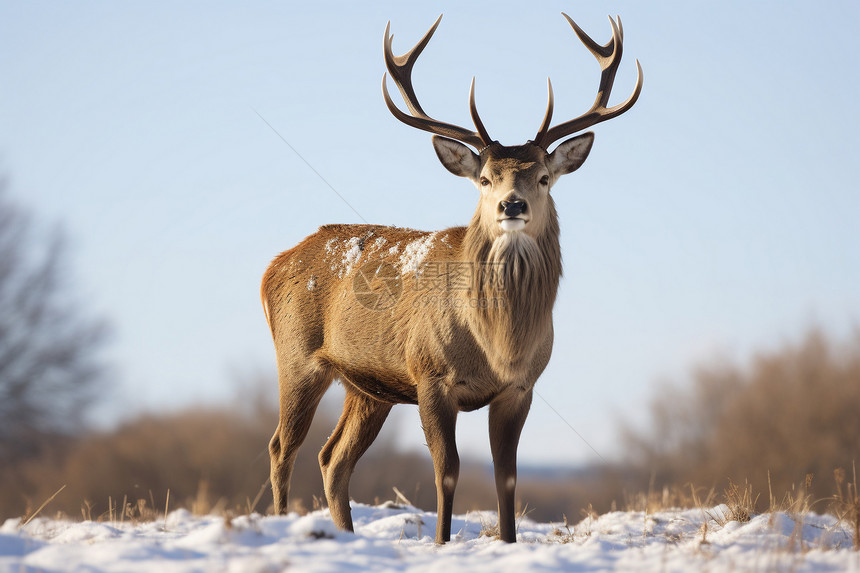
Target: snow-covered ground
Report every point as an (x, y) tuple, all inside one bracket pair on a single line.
[(401, 539)]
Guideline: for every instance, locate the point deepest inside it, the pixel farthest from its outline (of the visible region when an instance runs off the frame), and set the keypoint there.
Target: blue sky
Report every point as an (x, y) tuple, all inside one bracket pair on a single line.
[(719, 216)]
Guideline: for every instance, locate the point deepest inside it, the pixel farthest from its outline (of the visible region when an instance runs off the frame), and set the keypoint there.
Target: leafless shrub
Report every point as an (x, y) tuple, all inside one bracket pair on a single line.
[(786, 414)]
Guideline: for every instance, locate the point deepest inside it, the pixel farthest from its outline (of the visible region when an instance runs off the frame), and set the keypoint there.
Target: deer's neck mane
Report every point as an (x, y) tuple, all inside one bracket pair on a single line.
[(513, 293)]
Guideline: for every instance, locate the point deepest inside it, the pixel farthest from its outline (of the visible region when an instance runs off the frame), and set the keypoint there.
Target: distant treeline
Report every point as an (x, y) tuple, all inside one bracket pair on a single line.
[(216, 459)]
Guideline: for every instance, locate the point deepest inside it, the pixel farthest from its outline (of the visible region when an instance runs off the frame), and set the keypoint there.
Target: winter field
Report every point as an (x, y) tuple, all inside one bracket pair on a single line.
[(399, 538)]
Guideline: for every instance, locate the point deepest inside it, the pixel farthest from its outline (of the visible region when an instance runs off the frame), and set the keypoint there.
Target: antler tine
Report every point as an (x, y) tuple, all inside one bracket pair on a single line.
[(609, 58), (610, 66), (599, 51), (547, 118), (400, 68), (473, 110)]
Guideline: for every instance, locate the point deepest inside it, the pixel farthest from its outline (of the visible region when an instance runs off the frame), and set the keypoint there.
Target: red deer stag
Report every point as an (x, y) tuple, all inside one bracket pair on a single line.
[(452, 320)]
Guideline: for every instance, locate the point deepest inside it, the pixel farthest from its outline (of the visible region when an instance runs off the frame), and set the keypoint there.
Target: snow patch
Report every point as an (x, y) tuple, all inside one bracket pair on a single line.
[(352, 253), (343, 255), (400, 538), (415, 252)]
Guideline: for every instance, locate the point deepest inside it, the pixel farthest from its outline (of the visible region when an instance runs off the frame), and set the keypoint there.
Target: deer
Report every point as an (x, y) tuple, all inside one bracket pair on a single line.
[(451, 320)]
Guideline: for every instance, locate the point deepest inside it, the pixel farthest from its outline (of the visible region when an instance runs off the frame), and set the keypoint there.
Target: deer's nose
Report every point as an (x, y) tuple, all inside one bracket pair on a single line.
[(512, 208)]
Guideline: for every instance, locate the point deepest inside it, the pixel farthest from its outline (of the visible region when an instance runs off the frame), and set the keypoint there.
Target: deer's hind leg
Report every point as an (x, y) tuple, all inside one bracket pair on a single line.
[(359, 424), (300, 392)]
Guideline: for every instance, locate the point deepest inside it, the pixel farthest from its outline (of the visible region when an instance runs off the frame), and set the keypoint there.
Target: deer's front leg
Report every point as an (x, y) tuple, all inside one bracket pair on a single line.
[(507, 415), (439, 419)]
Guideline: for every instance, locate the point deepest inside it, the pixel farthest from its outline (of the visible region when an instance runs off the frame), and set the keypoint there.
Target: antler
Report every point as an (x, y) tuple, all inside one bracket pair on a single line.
[(400, 68), (609, 57)]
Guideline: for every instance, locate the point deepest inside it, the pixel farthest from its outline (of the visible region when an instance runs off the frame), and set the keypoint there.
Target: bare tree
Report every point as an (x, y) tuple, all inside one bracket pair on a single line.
[(49, 349)]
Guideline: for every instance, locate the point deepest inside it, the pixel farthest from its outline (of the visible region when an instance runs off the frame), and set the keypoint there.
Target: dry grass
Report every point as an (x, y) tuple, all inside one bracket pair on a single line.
[(491, 528), (668, 497), (740, 503), (28, 518), (845, 504), (736, 503), (568, 535)]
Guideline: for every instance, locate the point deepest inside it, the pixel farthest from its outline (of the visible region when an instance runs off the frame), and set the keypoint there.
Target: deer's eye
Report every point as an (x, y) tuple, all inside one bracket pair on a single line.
[(544, 180), (484, 182)]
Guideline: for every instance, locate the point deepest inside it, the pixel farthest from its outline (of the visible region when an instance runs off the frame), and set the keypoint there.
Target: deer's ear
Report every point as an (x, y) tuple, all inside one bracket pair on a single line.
[(571, 154), (457, 158)]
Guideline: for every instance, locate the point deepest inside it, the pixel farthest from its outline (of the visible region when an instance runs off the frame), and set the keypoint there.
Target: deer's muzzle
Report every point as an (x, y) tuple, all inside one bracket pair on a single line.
[(512, 208)]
